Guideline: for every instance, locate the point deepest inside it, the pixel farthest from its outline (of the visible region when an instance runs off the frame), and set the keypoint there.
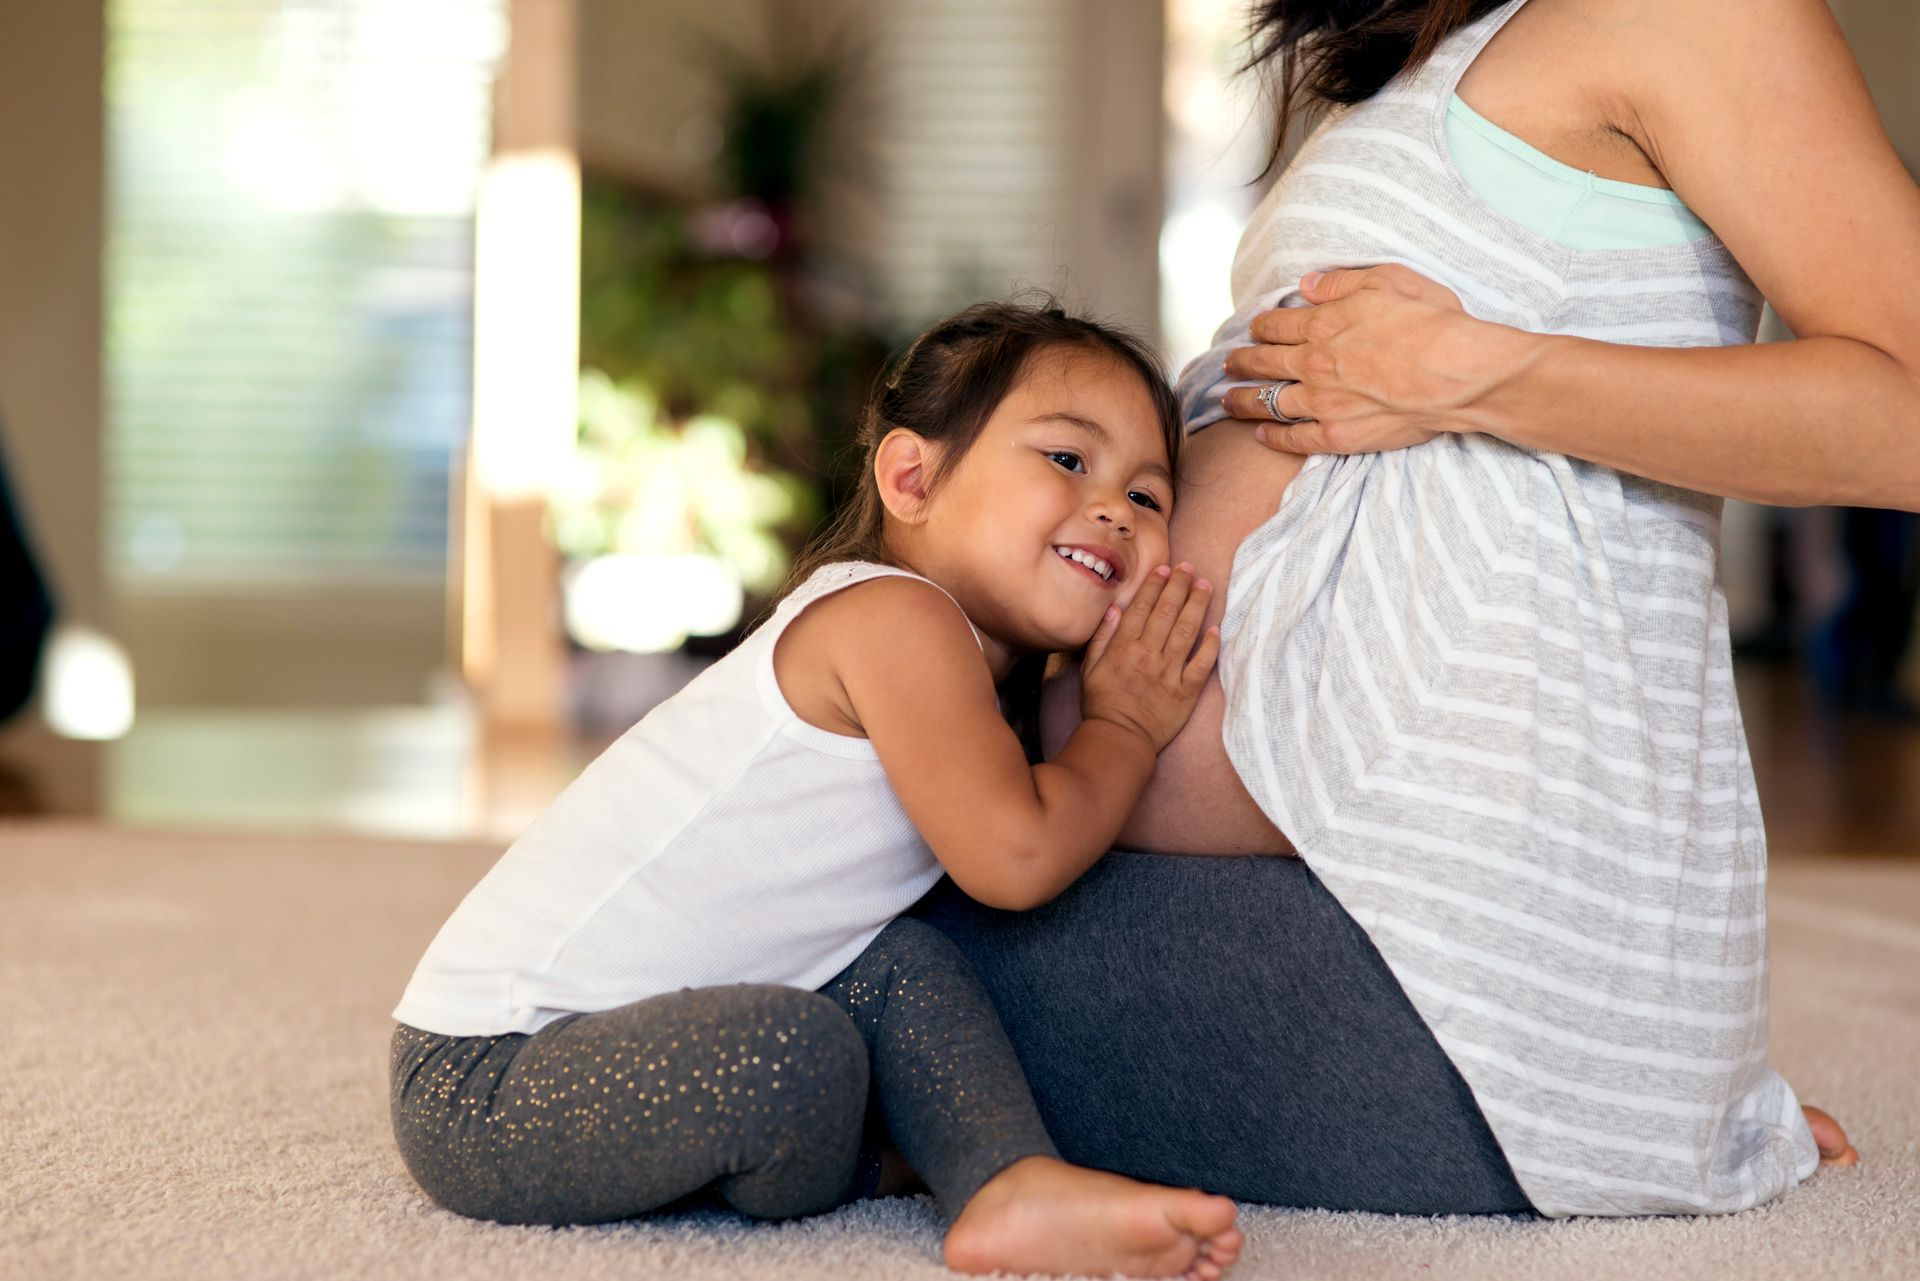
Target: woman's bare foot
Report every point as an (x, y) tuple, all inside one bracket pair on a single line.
[(1834, 1148), (1043, 1215)]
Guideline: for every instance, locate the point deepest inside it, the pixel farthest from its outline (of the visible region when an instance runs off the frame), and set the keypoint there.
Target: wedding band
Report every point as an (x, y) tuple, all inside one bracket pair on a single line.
[(1270, 397)]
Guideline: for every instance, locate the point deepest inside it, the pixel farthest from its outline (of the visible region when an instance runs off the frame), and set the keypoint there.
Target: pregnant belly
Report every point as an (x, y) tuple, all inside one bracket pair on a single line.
[(1195, 803)]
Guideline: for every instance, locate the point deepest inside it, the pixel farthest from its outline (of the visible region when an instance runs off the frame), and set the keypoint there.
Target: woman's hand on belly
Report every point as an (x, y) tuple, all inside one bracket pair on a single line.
[(1384, 359), (1195, 803)]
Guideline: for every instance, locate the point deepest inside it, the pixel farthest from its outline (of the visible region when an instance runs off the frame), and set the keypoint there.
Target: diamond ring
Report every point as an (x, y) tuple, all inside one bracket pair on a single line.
[(1270, 397)]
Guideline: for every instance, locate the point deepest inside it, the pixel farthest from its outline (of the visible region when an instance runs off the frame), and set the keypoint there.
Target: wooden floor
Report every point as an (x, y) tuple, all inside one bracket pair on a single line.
[(1828, 783)]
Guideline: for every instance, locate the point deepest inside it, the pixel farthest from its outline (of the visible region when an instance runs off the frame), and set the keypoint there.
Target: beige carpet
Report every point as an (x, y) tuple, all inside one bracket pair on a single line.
[(192, 1084)]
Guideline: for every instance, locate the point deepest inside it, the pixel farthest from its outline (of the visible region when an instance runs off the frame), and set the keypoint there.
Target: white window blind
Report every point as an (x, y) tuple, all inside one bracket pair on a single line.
[(975, 135), (289, 284)]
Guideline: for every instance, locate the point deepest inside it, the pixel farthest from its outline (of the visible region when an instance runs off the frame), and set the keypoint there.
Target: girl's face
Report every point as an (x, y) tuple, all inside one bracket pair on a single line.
[(1073, 461)]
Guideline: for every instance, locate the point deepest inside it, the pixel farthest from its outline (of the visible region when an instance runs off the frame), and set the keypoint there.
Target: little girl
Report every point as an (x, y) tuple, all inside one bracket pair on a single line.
[(691, 970)]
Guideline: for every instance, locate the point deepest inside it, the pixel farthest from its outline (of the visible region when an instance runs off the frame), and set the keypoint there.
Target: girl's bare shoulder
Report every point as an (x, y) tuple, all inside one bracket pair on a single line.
[(878, 620)]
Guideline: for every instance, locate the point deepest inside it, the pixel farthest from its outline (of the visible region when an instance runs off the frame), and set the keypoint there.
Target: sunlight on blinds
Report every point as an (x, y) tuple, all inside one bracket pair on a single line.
[(973, 144), (289, 284)]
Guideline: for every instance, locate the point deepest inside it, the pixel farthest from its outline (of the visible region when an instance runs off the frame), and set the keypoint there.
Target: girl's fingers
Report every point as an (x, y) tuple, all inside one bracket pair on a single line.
[(1141, 608), (1200, 666), (1101, 636), (1160, 622), (1192, 614)]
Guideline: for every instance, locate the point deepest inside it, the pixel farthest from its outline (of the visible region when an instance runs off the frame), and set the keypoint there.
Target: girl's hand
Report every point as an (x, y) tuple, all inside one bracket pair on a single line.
[(1384, 359), (1138, 672)]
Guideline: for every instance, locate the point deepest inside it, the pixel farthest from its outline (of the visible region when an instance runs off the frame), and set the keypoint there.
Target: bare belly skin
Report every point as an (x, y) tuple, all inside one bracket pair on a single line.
[(1195, 803)]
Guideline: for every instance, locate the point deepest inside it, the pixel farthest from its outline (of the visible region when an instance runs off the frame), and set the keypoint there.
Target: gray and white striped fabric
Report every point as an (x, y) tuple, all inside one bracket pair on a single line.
[(1488, 693)]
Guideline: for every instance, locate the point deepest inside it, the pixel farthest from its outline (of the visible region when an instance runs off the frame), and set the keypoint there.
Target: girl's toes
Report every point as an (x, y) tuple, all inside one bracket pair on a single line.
[(1210, 1217), (1223, 1249)]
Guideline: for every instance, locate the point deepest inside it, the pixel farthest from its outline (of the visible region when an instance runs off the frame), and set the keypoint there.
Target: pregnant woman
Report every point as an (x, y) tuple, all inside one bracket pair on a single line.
[(1477, 672)]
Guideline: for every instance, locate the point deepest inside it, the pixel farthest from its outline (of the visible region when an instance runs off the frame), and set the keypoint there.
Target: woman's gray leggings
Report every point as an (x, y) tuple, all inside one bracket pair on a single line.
[(757, 1093), (1223, 1023)]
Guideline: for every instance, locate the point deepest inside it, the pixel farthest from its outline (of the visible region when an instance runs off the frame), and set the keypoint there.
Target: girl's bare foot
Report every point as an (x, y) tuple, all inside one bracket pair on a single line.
[(1043, 1215), (1834, 1148)]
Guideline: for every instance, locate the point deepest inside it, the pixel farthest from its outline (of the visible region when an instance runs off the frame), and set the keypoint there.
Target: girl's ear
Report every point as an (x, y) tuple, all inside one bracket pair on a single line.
[(903, 468)]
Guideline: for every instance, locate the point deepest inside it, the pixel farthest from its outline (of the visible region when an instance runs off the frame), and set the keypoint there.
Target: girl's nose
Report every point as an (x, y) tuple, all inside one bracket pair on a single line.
[(1105, 517)]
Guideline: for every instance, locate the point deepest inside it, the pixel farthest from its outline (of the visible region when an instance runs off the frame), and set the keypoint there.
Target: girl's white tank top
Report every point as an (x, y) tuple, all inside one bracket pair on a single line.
[(722, 839)]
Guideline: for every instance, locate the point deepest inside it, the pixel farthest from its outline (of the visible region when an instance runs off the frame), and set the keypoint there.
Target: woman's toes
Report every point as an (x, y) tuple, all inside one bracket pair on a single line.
[(1830, 1138)]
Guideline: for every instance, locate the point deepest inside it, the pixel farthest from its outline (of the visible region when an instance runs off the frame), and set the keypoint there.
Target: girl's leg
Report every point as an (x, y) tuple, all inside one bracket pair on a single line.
[(759, 1091), (944, 1076), (1223, 1022), (956, 1103)]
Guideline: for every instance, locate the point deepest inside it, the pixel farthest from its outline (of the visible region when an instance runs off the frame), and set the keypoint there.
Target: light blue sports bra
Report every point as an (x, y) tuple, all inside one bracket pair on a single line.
[(1567, 205)]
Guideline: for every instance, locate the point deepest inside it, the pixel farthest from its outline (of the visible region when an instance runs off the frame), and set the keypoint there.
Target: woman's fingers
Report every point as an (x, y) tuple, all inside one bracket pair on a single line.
[(1281, 325), (1245, 402), (1325, 286), (1294, 438), (1275, 364), (1267, 358), (1330, 286)]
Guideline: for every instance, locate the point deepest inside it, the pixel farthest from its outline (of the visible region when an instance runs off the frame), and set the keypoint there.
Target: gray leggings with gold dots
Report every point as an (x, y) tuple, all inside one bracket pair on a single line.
[(757, 1094)]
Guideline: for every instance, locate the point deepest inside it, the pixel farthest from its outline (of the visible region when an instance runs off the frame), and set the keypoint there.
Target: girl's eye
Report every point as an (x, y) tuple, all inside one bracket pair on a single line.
[(1073, 462), (1145, 499)]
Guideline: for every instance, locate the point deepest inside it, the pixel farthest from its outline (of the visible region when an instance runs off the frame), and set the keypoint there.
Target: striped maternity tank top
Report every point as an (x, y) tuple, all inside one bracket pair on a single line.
[(1487, 691)]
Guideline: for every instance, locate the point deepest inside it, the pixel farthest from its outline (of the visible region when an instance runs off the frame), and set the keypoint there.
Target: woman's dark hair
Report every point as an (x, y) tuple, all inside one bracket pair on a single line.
[(945, 387), (1314, 54)]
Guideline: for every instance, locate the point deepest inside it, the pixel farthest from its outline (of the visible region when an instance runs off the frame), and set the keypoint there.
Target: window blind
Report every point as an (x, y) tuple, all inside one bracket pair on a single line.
[(974, 139), (289, 284)]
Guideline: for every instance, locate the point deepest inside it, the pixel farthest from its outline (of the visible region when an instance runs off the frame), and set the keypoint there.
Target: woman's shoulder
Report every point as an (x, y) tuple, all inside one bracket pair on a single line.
[(1591, 82)]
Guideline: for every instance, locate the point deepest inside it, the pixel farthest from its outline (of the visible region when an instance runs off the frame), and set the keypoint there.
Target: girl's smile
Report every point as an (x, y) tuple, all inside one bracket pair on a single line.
[(1071, 468), (1103, 565)]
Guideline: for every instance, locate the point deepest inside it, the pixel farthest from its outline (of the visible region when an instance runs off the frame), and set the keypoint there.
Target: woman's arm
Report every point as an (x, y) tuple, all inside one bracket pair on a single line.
[(1013, 835), (1758, 116)]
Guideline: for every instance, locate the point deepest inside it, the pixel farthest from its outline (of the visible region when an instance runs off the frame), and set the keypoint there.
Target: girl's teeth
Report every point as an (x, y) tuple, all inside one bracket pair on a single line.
[(1093, 563)]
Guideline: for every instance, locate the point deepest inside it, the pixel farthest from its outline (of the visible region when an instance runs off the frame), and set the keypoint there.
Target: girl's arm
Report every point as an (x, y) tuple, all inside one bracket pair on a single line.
[(1757, 114), (1013, 835)]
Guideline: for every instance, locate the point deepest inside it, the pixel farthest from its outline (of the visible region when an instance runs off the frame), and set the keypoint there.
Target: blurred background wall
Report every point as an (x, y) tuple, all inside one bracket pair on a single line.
[(296, 537)]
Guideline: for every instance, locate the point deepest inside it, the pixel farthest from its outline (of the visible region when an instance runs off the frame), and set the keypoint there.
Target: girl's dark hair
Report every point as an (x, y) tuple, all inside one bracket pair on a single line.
[(944, 388), (1314, 54)]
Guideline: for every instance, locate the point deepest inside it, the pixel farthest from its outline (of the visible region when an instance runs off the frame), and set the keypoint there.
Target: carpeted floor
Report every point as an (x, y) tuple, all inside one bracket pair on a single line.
[(192, 1084)]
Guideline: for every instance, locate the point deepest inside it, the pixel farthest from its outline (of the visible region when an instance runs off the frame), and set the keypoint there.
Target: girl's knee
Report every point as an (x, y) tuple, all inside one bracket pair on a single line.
[(830, 1044), (912, 945), (913, 955)]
